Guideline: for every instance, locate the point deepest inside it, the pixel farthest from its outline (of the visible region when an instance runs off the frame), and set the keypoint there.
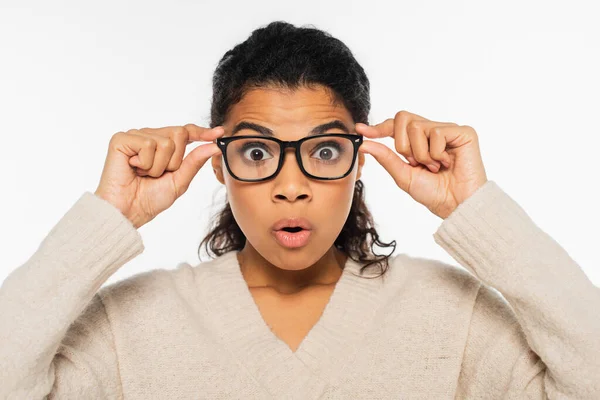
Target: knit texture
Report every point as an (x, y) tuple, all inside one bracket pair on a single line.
[(520, 320)]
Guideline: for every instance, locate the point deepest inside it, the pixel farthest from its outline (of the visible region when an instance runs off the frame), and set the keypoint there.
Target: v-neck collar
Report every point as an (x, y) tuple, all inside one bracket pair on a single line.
[(323, 351)]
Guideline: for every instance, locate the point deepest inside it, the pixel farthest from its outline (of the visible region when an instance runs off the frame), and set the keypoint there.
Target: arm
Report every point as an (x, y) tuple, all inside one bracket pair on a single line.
[(55, 335), (85, 365), (544, 340)]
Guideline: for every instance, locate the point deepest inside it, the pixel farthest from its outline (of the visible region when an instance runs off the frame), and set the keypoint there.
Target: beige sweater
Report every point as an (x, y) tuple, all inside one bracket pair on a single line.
[(428, 330)]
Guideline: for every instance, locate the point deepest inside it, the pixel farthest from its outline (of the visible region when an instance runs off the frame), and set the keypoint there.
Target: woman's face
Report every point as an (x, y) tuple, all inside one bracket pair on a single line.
[(256, 206)]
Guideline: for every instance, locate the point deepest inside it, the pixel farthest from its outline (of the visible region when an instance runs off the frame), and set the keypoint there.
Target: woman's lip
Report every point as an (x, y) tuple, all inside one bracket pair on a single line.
[(292, 239), (292, 222)]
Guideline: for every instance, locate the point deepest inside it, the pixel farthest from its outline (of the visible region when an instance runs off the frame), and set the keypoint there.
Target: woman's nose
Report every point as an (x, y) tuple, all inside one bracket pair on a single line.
[(291, 183)]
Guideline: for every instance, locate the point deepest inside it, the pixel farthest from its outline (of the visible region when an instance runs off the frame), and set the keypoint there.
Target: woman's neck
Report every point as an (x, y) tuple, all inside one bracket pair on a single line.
[(258, 272)]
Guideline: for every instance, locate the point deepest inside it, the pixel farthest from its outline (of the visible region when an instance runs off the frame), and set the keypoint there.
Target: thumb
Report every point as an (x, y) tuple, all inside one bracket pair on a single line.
[(401, 172), (191, 164)]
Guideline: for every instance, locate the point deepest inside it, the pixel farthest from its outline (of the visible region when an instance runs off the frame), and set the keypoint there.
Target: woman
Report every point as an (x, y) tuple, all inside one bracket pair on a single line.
[(293, 306)]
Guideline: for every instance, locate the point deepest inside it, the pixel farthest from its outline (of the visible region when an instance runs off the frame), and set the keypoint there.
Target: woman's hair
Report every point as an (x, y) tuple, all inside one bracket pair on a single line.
[(284, 56)]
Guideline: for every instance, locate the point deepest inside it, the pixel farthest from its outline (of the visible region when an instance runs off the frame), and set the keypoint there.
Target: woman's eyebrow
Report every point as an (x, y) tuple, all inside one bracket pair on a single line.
[(320, 129), (263, 130), (317, 130)]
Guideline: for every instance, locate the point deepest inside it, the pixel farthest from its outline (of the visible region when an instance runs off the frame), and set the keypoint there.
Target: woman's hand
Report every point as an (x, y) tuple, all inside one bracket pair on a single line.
[(145, 171), (428, 145)]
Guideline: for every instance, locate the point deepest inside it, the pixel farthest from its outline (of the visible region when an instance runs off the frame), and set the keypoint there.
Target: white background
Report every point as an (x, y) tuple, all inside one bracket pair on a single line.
[(523, 74)]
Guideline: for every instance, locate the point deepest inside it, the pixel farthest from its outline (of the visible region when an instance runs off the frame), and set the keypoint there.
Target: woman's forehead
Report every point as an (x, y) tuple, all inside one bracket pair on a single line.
[(275, 109)]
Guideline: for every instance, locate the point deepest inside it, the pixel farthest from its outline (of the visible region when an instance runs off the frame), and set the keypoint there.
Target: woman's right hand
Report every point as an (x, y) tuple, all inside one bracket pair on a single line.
[(145, 172)]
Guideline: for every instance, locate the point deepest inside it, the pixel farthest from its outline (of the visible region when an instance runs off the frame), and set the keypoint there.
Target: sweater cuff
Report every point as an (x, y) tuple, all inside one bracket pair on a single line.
[(486, 231)]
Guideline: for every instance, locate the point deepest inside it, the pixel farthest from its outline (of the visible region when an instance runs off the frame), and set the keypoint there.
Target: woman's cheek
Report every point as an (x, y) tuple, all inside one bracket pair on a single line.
[(251, 211), (336, 208)]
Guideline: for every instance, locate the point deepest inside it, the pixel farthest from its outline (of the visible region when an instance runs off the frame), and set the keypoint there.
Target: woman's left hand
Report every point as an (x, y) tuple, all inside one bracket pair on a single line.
[(427, 144)]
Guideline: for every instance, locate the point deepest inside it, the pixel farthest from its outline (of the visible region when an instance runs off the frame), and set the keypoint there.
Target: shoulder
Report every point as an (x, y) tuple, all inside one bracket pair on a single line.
[(153, 283), (446, 287), (440, 284), (489, 306), (428, 273), (158, 283)]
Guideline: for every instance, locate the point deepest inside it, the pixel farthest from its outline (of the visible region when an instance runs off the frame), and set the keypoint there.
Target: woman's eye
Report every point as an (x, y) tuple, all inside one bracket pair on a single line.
[(327, 152), (255, 153)]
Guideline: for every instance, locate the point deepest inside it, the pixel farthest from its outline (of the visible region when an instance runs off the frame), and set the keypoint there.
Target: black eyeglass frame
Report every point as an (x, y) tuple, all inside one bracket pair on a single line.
[(295, 144)]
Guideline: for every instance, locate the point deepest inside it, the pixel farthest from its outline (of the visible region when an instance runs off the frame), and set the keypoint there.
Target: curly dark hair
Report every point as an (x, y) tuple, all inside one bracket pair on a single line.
[(285, 56)]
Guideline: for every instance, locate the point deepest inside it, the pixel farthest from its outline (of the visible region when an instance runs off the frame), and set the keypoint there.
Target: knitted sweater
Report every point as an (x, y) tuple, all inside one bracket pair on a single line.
[(523, 322)]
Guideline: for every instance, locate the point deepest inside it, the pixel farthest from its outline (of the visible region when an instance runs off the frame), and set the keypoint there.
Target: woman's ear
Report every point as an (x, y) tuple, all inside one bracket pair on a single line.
[(217, 167), (361, 162)]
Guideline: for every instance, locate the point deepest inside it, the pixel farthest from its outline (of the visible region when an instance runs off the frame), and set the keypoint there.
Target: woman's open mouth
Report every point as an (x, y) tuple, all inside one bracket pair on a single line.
[(292, 232), (292, 237)]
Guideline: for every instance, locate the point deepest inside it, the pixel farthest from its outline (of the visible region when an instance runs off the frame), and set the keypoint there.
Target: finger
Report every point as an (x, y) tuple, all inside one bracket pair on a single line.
[(412, 161), (420, 146), (196, 133), (427, 126), (403, 120), (401, 139), (140, 149), (383, 129), (388, 128), (396, 128), (180, 138), (164, 149), (191, 164), (391, 127), (179, 135), (400, 171), (437, 146)]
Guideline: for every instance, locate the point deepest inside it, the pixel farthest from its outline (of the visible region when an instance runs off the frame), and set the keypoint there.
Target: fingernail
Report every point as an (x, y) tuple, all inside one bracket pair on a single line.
[(433, 166)]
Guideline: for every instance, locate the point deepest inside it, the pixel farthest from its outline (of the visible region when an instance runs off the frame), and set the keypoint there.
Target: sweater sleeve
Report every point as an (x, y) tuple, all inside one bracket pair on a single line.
[(55, 334), (535, 327)]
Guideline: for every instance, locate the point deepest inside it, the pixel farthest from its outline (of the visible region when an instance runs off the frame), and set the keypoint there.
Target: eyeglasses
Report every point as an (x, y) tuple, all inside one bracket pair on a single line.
[(259, 158)]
